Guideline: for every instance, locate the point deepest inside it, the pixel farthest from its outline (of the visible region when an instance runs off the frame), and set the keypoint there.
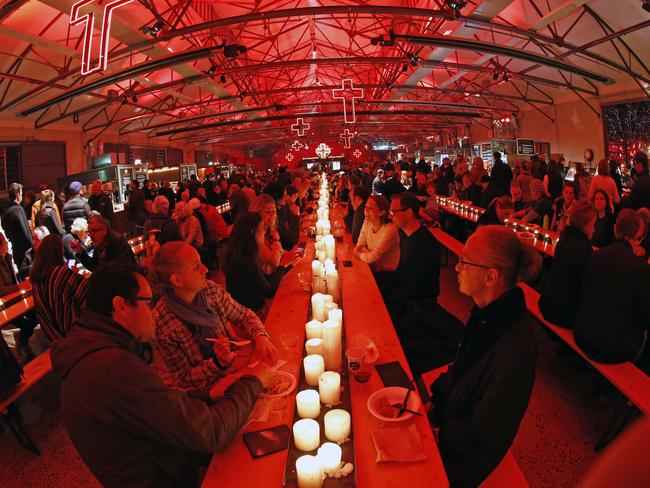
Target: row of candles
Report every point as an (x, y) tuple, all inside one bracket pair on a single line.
[(461, 208), (546, 236), (322, 363)]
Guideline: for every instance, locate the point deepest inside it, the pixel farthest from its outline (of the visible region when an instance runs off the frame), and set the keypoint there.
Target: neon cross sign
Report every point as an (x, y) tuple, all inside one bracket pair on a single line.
[(323, 150), (347, 137), (300, 127), (89, 21), (348, 93), (296, 146), (357, 153)]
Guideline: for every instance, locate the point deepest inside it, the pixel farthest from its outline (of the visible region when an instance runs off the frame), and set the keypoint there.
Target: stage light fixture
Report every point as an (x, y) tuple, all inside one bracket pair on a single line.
[(405, 67), (495, 76), (75, 118), (154, 29), (134, 99), (506, 78), (233, 50), (211, 70), (223, 79), (242, 95)]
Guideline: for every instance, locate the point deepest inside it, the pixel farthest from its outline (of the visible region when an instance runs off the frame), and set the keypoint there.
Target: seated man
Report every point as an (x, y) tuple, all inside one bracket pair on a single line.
[(540, 207), (109, 246), (613, 318), (128, 427), (358, 197), (561, 291)]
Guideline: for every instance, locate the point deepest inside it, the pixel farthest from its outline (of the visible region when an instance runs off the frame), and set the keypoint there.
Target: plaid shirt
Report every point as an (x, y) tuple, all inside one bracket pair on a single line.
[(177, 355)]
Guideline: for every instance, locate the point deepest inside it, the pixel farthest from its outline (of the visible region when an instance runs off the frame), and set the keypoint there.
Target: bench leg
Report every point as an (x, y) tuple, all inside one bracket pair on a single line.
[(615, 426), (15, 422)]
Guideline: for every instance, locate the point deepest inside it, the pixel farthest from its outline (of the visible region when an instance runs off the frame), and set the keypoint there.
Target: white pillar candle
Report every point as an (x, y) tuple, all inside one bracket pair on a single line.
[(329, 307), (319, 238), (321, 255), (319, 227), (320, 246), (335, 314), (329, 265), (317, 268), (337, 425), (308, 404), (306, 434), (327, 228), (330, 246), (329, 387), (313, 329), (309, 471), (331, 332), (332, 278), (314, 346), (327, 299), (330, 456), (318, 306), (314, 365)]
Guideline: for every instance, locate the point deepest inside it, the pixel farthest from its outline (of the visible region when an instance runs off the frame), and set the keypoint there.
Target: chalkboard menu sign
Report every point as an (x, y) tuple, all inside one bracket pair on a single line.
[(184, 173), (486, 153), (526, 146), (476, 149)]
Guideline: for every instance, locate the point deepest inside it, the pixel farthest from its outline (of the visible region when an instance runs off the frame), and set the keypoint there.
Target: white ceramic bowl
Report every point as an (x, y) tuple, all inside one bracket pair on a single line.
[(389, 396), (291, 385)]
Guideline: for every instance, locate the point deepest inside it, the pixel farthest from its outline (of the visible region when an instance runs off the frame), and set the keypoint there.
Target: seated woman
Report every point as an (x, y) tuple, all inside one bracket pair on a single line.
[(560, 296), (245, 280), (189, 224), (59, 292), (190, 313), (9, 284), (497, 212), (109, 245), (480, 401), (378, 243), (561, 207), (79, 233), (605, 220), (270, 250), (430, 212)]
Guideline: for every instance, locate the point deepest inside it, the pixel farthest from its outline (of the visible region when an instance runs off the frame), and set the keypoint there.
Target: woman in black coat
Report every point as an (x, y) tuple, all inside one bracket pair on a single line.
[(604, 227), (47, 215), (480, 401), (562, 285), (245, 280)]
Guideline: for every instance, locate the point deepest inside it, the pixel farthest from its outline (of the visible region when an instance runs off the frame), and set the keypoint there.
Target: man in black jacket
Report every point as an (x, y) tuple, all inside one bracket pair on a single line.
[(640, 194), (378, 183), (100, 201), (501, 174), (562, 285), (128, 427), (612, 322), (75, 207), (15, 224), (358, 197), (109, 246), (288, 215)]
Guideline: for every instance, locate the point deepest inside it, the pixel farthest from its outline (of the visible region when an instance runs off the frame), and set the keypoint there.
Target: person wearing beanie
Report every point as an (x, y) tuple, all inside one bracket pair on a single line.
[(75, 207)]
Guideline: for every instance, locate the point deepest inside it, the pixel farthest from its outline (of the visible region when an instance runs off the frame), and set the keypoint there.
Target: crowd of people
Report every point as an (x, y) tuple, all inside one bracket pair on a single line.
[(158, 330)]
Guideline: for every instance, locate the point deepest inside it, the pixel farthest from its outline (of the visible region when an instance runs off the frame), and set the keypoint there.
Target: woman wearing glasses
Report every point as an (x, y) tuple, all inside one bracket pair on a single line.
[(480, 401), (378, 243), (109, 245)]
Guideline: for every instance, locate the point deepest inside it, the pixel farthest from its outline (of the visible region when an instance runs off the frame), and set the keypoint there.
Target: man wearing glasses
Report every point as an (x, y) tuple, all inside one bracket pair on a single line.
[(109, 245), (128, 427)]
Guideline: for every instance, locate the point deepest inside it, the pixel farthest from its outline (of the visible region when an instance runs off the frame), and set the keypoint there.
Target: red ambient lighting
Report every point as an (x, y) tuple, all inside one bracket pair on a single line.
[(89, 20)]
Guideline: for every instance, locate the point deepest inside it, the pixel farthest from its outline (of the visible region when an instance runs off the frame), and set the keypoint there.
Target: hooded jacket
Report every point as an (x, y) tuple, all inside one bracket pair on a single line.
[(128, 427)]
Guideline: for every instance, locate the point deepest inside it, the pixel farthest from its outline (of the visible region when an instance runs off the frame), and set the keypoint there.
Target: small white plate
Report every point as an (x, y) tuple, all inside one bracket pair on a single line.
[(388, 397), (286, 391)]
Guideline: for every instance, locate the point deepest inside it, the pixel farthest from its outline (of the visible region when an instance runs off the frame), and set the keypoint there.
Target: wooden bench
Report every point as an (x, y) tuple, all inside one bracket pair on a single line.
[(33, 372), (626, 377), (507, 474)]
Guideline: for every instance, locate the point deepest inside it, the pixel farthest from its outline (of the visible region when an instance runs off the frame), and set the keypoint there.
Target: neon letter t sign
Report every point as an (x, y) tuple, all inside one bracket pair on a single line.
[(89, 20)]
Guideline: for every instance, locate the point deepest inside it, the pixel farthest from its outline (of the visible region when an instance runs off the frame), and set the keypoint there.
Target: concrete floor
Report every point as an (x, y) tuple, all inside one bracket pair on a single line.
[(554, 446)]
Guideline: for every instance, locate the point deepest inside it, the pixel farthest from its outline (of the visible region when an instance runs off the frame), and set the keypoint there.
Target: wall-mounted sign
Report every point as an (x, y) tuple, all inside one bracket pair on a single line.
[(526, 147), (76, 17)]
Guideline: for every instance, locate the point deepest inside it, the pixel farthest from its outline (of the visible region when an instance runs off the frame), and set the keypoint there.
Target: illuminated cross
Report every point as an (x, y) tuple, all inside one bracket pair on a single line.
[(296, 146), (289, 157), (323, 150), (347, 137), (357, 153), (300, 127), (348, 94), (89, 21)]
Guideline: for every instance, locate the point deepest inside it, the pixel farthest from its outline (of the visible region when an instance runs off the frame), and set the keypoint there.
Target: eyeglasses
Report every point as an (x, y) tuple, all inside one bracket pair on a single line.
[(397, 210), (462, 263), (147, 300)]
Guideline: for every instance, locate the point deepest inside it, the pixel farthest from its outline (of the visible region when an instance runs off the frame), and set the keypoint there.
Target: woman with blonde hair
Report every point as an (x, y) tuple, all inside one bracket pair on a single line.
[(47, 215), (270, 251), (480, 401), (194, 321), (378, 243), (189, 224)]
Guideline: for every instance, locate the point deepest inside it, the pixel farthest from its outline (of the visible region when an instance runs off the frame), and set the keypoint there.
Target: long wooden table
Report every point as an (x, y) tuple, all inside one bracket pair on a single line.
[(364, 312)]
